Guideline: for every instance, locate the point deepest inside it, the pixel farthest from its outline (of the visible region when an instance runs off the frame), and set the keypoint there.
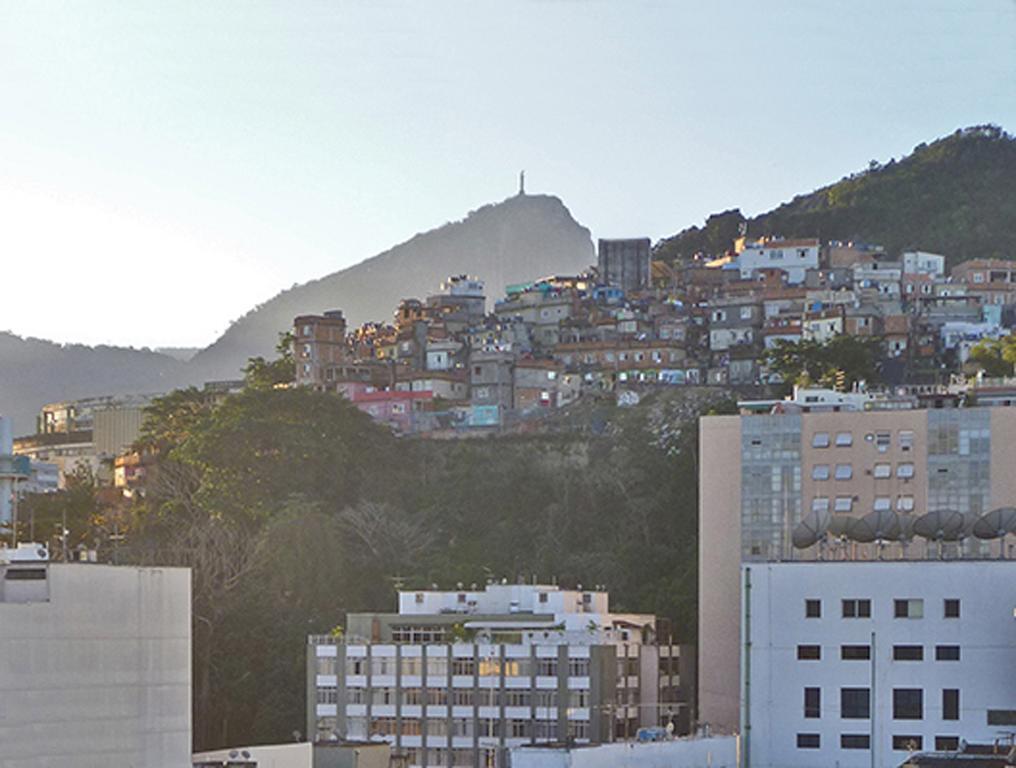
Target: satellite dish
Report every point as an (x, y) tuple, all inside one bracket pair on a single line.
[(875, 526), (906, 527), (810, 530), (940, 525), (839, 525), (996, 524)]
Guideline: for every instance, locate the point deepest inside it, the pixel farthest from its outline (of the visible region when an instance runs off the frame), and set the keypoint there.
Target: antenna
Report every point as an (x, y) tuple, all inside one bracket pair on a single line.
[(522, 183)]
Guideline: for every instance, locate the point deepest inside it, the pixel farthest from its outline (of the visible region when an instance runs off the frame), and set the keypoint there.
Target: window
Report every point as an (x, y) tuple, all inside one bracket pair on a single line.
[(906, 439), (844, 503), (1002, 717), (844, 439), (812, 702), (947, 743), (813, 609), (905, 470), (855, 652), (905, 503), (950, 703), (844, 471), (908, 609), (809, 652), (947, 653), (951, 608), (908, 653), (463, 667), (882, 504), (855, 703), (746, 313), (808, 741), (882, 441), (857, 609), (908, 703), (882, 471), (546, 667), (907, 743), (855, 741), (820, 472), (578, 667), (820, 504), (820, 440)]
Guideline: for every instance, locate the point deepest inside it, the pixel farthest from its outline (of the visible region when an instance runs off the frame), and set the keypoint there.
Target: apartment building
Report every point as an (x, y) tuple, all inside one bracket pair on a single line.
[(843, 477), (859, 663), (457, 678), (319, 342), (625, 263), (96, 669)]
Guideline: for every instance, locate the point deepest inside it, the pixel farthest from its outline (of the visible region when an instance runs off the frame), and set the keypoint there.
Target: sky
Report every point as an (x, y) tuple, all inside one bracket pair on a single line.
[(165, 166)]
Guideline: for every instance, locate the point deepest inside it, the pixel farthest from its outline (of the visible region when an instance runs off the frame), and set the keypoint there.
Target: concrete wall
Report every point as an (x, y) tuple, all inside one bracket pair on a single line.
[(719, 570), (99, 675), (716, 752), (266, 756)]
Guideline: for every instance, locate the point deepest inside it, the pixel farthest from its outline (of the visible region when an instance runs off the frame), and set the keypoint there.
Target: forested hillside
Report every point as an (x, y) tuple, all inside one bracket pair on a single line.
[(293, 508), (955, 196)]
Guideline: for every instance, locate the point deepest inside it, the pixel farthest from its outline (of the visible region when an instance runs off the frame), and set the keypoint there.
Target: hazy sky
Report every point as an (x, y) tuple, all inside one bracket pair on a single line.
[(168, 165)]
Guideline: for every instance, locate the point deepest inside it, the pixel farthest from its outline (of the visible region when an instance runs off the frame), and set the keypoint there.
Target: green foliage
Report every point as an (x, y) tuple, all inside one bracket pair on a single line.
[(950, 197), (43, 516), (996, 357), (844, 358), (262, 374), (293, 509)]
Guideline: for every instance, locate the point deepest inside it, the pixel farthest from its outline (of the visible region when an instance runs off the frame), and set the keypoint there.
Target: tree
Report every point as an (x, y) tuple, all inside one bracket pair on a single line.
[(844, 358), (996, 357), (43, 517), (262, 374)]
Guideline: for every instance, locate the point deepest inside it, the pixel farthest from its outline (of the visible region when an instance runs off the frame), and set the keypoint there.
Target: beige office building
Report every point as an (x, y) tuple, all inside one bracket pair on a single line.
[(822, 482)]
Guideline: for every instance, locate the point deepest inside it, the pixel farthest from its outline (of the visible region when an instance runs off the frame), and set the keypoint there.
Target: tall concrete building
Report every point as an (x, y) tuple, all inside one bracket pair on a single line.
[(625, 264), (839, 477), (458, 678), (95, 665), (319, 341), (860, 663)]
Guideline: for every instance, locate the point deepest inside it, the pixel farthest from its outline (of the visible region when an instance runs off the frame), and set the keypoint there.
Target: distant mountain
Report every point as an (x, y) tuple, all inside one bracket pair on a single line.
[(34, 372), (523, 237), (955, 196)]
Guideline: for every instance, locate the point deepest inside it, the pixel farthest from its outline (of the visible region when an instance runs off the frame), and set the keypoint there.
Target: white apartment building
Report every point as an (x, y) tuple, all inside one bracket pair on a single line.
[(795, 257), (923, 263), (854, 664), (458, 678), (95, 664)]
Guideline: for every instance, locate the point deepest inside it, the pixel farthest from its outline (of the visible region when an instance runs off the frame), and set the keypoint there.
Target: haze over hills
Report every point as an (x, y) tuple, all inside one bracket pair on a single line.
[(520, 238), (955, 196), (34, 372)]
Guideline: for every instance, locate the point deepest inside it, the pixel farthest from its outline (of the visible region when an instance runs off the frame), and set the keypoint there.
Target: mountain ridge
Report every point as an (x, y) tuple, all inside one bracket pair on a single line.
[(502, 242), (951, 196)]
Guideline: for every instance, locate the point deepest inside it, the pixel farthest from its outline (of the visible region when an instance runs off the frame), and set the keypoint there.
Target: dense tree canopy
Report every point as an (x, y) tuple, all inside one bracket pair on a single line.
[(293, 508), (843, 360)]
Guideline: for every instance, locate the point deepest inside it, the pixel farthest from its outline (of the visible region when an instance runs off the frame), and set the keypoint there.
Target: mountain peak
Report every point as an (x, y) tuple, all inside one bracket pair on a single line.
[(520, 237)]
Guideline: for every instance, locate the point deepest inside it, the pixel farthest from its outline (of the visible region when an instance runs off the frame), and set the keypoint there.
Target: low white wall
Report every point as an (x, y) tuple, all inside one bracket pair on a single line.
[(715, 752)]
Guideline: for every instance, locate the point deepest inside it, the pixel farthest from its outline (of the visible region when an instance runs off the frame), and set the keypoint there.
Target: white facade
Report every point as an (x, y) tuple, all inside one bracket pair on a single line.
[(923, 263), (935, 640), (793, 257), (504, 599), (95, 666), (458, 678)]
